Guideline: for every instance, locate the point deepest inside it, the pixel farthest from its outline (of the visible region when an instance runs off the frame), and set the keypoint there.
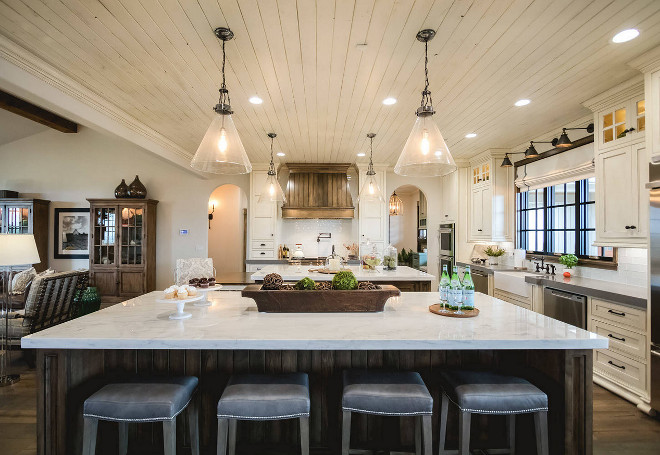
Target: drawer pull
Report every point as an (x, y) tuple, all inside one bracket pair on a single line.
[(615, 365), (616, 312), (262, 253), (262, 244), (616, 338)]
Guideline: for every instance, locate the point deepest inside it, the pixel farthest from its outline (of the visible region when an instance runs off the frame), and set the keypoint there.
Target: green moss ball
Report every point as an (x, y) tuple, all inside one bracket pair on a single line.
[(306, 284), (344, 281)]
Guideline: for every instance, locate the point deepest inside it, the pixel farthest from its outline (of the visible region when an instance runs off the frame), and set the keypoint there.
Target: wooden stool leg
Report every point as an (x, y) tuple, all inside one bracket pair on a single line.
[(427, 435), (223, 428), (464, 433), (511, 427), (193, 423), (123, 438), (346, 433), (444, 410), (541, 424), (89, 435), (304, 435), (169, 436), (233, 424), (418, 435)]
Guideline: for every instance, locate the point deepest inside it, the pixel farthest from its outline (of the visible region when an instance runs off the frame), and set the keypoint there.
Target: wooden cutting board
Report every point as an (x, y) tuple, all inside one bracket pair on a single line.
[(437, 309)]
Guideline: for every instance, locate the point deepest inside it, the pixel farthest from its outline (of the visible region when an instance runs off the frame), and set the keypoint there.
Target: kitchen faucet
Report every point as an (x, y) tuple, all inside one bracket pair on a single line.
[(323, 235), (547, 268)]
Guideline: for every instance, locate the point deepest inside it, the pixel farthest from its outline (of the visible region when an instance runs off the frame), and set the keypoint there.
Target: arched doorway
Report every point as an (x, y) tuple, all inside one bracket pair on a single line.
[(407, 221), (226, 237)]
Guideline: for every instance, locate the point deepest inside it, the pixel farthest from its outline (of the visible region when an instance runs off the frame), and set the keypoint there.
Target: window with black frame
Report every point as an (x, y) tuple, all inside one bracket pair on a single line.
[(560, 219)]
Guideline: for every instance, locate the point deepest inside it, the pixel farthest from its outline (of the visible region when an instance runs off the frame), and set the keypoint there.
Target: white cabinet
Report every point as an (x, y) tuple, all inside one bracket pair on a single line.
[(423, 211), (621, 198), (652, 87), (373, 214), (262, 220), (491, 205), (449, 198)]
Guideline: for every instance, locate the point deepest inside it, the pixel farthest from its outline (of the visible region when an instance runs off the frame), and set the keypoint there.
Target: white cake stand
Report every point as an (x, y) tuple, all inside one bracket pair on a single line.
[(204, 291), (180, 314)]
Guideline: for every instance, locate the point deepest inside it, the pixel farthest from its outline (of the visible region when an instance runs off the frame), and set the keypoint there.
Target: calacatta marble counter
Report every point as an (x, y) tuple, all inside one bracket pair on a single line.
[(295, 273), (233, 322)]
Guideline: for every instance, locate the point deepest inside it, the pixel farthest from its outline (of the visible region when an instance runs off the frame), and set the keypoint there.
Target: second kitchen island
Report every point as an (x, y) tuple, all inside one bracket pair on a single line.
[(405, 278)]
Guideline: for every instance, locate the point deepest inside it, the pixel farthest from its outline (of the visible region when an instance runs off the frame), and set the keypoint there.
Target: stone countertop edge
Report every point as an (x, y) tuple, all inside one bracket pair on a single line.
[(624, 299)]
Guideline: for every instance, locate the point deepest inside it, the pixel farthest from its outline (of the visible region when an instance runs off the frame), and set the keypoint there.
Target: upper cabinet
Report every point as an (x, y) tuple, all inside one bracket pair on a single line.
[(449, 206), (373, 215), (423, 211), (491, 199), (621, 161), (262, 220)]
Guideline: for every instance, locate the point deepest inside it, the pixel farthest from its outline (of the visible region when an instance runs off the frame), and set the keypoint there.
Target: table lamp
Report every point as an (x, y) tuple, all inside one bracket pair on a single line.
[(15, 250)]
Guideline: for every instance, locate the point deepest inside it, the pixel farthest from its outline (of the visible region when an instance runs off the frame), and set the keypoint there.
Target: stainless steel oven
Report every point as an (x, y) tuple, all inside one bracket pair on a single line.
[(446, 239)]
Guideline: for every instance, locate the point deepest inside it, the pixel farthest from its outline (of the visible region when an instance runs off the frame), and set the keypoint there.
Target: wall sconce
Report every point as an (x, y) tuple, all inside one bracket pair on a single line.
[(211, 214), (564, 141)]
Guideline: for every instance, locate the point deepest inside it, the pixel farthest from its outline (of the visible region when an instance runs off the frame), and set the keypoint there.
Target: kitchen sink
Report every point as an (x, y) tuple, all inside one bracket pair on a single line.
[(513, 282)]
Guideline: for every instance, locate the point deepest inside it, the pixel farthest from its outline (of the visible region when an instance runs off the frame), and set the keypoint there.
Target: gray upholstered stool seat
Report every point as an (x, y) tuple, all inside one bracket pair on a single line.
[(397, 393), (263, 397), (483, 392), (147, 401), (143, 400)]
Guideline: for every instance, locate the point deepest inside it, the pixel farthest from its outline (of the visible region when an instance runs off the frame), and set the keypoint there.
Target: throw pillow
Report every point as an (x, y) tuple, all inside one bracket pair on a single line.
[(21, 280)]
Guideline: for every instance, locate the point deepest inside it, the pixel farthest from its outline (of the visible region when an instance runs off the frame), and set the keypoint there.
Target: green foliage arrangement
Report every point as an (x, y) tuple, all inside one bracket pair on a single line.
[(405, 257), (568, 260), (306, 284), (494, 251), (344, 281)]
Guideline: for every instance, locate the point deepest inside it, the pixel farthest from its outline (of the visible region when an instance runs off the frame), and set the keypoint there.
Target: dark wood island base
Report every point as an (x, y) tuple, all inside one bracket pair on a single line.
[(67, 377)]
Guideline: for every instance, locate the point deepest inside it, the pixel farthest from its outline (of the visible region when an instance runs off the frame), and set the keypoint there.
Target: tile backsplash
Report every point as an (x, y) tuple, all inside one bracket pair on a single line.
[(294, 231)]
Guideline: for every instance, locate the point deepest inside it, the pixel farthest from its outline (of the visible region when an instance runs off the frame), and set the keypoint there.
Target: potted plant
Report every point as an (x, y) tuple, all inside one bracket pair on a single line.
[(493, 252), (569, 261)]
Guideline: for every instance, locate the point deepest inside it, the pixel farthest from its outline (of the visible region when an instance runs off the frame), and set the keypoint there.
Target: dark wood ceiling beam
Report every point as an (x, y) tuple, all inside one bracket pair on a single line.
[(35, 113)]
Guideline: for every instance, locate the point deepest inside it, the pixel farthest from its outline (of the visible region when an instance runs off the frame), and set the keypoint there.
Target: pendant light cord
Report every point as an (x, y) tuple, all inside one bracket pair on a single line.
[(224, 93), (370, 169), (426, 94), (271, 170)]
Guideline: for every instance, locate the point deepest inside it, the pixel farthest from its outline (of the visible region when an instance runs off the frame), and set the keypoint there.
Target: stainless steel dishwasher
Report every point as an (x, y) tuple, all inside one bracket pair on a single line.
[(565, 306), (480, 280)]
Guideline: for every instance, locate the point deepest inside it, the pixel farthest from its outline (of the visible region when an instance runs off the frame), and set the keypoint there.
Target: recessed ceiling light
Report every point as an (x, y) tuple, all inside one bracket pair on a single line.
[(522, 102), (389, 101), (625, 35), (281, 154), (471, 135), (361, 154), (255, 100)]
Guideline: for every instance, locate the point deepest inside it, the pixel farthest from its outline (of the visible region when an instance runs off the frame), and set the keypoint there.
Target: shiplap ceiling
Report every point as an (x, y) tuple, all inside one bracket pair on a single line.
[(159, 61)]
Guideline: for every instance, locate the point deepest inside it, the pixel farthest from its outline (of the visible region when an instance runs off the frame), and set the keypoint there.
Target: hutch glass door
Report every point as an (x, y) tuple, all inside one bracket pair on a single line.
[(18, 219), (105, 231), (131, 235)]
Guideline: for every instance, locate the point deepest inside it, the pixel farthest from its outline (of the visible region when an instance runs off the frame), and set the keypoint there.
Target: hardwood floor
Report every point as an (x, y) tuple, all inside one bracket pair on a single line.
[(619, 428)]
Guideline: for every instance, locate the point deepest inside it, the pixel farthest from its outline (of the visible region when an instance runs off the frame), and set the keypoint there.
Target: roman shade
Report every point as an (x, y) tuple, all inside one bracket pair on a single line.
[(570, 166)]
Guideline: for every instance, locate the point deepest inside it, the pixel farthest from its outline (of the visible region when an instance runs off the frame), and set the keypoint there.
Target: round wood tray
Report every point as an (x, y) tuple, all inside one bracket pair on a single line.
[(326, 271), (437, 309)]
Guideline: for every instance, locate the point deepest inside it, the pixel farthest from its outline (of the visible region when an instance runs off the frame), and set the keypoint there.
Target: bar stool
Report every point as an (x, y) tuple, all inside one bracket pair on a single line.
[(263, 397), (387, 394), (150, 400), (482, 392)]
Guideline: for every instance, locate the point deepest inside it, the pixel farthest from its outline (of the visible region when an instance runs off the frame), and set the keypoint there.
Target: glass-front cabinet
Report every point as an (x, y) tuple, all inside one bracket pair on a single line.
[(622, 123), (27, 216), (123, 259)]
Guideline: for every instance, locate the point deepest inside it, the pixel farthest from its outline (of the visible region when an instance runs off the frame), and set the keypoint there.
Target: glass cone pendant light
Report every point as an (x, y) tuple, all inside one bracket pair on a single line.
[(396, 205), (425, 154), (370, 191), (221, 150), (272, 191)]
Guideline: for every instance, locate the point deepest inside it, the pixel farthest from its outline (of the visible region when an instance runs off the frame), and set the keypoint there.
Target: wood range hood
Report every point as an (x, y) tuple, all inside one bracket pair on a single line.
[(317, 191)]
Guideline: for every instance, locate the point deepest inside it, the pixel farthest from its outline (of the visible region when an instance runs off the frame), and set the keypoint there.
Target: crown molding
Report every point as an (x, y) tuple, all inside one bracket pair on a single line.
[(648, 61), (31, 78), (622, 92)]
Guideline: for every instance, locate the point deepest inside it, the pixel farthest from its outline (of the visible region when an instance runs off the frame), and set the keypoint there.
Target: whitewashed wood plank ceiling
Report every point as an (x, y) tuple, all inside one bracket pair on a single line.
[(324, 67)]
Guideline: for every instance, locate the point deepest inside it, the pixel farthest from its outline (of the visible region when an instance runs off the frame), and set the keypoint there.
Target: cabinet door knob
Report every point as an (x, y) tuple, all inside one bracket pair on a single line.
[(627, 227), (633, 227), (479, 230)]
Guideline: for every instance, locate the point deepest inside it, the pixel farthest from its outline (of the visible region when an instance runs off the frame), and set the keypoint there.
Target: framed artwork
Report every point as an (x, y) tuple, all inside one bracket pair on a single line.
[(71, 236)]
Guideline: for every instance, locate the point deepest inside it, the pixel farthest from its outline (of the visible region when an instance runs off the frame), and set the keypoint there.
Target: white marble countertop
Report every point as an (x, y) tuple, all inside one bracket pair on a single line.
[(233, 322), (295, 273)]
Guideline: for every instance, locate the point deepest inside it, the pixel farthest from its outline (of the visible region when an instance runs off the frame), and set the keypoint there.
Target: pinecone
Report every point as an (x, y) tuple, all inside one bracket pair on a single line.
[(323, 286), (367, 286), (286, 287), (272, 281)]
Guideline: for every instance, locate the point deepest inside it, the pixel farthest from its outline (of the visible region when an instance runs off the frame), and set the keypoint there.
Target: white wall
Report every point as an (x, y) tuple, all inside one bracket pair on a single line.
[(226, 233), (68, 168), (432, 188)]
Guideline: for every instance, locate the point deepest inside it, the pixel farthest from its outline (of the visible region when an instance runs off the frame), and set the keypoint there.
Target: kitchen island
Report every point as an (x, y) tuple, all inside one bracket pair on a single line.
[(405, 278), (136, 338)]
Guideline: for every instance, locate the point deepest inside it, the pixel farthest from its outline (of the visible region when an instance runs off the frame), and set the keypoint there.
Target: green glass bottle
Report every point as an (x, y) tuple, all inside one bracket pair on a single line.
[(455, 289), (468, 290), (444, 285)]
